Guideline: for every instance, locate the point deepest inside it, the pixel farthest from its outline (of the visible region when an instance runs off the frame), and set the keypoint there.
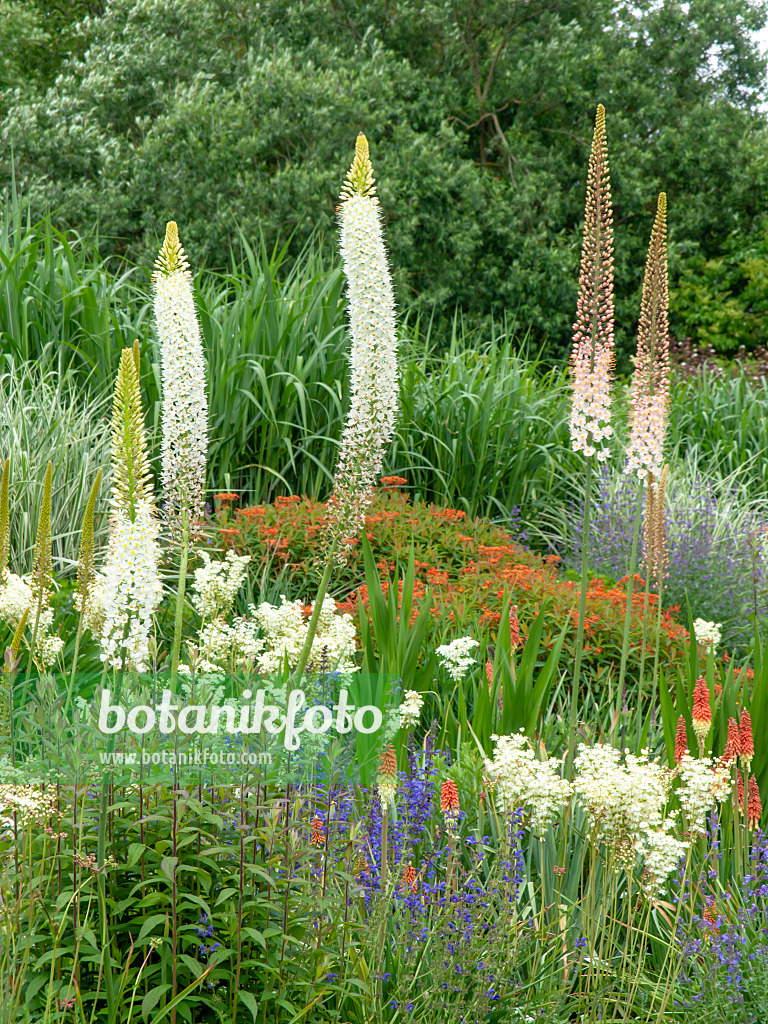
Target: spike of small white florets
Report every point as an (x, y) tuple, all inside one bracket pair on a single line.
[(185, 406), (131, 587), (371, 420)]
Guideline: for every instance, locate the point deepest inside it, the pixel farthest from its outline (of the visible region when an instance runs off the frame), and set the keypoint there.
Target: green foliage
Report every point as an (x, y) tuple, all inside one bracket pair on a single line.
[(234, 117)]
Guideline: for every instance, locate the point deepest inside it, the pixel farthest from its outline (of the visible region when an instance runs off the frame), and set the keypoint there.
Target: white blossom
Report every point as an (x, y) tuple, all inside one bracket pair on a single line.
[(185, 406), (286, 632), (217, 583), (371, 420), (703, 782), (16, 596), (707, 633), (410, 709), (132, 589), (455, 656), (520, 780)]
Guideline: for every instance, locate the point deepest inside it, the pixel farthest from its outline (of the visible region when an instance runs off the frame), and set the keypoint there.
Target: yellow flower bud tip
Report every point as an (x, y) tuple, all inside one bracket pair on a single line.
[(360, 180), (171, 257)]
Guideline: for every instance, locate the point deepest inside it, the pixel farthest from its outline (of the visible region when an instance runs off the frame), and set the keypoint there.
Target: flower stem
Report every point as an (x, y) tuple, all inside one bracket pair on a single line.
[(630, 590), (312, 629), (582, 617), (180, 592)]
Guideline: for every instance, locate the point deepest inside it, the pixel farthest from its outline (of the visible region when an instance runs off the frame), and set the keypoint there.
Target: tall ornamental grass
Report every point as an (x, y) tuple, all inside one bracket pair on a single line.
[(46, 416)]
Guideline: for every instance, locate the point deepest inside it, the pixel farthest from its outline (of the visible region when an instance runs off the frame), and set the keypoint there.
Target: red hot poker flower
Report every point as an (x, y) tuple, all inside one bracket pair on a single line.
[(732, 744), (449, 798), (318, 832), (746, 740), (754, 806), (702, 712), (409, 879), (681, 740)]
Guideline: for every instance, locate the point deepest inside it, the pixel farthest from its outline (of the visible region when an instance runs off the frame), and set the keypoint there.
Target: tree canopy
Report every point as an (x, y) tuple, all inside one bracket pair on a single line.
[(231, 117)]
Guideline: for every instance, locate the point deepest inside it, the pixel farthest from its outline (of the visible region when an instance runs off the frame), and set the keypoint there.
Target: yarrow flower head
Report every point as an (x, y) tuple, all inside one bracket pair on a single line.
[(707, 633), (371, 420), (455, 656), (592, 358), (185, 406), (703, 782), (650, 383)]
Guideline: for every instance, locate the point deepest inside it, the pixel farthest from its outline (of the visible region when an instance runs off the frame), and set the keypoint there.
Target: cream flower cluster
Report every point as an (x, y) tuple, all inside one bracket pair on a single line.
[(645, 453), (95, 606), (707, 633), (410, 709), (185, 406), (621, 799), (704, 781), (649, 404), (16, 595), (521, 780), (371, 421), (286, 632), (217, 583), (591, 408), (662, 853), (221, 643), (132, 590), (455, 656)]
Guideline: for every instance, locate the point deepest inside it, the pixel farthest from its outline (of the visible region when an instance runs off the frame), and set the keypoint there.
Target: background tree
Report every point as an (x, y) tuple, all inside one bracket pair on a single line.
[(234, 117)]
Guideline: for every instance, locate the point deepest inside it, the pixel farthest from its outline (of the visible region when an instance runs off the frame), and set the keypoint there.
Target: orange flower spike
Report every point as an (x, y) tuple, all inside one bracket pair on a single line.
[(732, 744), (681, 740), (409, 879), (449, 798), (754, 806), (702, 712), (318, 832), (514, 627), (746, 741), (489, 673)]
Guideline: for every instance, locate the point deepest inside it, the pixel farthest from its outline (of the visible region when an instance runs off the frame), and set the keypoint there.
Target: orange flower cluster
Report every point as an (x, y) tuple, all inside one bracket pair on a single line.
[(318, 832), (409, 882), (702, 712), (681, 740), (449, 798), (470, 567)]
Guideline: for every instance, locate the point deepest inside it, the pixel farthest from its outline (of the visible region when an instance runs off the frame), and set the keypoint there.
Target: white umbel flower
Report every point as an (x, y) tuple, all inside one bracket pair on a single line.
[(285, 632), (217, 583), (707, 633), (371, 420), (410, 709), (185, 406), (131, 587), (455, 656), (519, 779)]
